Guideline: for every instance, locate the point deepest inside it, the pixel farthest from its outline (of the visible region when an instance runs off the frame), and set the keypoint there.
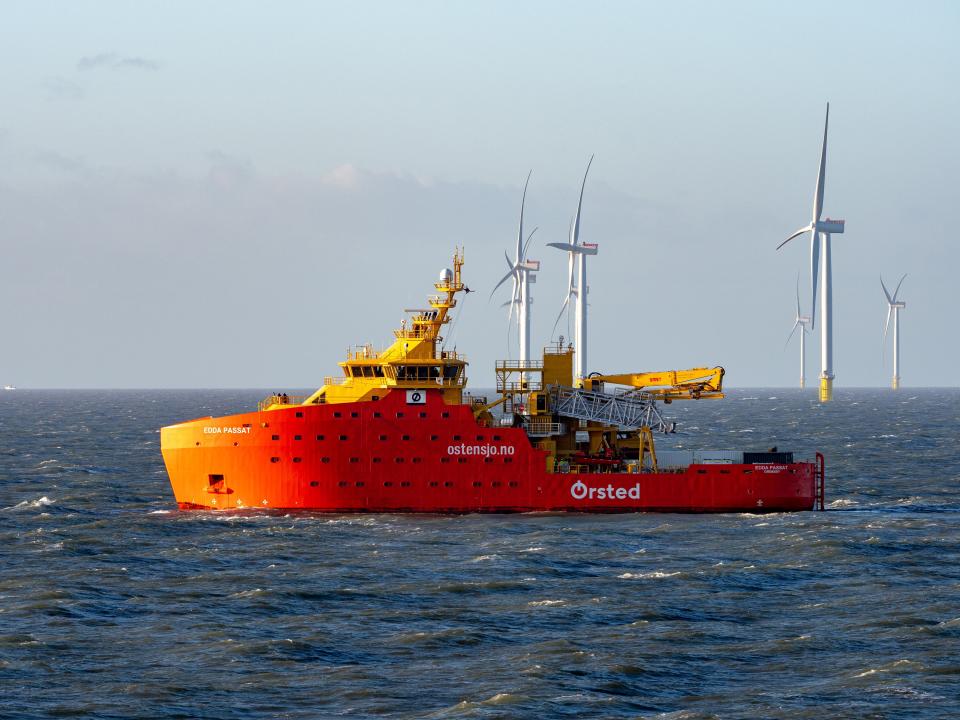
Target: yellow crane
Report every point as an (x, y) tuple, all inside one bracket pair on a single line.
[(667, 385)]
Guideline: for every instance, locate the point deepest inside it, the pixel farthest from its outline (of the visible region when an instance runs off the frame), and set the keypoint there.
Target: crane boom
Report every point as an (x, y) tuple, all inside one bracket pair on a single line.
[(668, 385)]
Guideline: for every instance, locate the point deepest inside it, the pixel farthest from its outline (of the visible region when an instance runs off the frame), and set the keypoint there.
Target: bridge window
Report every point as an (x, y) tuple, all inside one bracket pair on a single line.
[(377, 372), (450, 372)]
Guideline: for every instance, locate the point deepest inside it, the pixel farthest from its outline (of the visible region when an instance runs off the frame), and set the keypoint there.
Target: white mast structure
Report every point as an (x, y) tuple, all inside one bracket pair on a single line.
[(800, 321), (576, 257), (522, 272), (821, 228), (893, 308)]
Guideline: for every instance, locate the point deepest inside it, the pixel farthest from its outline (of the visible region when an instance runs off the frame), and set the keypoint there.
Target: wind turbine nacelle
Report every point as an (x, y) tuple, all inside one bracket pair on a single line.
[(530, 265), (899, 305), (589, 248), (831, 226)]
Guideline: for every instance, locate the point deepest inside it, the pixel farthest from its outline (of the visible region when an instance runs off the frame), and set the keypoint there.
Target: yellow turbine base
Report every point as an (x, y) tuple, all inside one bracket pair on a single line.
[(826, 389), (896, 383)]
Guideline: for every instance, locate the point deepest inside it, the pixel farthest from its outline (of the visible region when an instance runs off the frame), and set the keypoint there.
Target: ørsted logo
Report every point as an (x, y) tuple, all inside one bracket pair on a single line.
[(581, 491)]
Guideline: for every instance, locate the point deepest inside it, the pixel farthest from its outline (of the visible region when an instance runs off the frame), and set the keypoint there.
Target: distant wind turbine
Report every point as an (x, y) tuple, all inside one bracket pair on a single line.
[(893, 308), (800, 321), (821, 229), (577, 260), (522, 272)]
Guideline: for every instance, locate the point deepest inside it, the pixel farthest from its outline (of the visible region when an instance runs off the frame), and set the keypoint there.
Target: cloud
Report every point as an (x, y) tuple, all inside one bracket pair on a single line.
[(113, 61), (63, 163), (345, 176), (59, 88)]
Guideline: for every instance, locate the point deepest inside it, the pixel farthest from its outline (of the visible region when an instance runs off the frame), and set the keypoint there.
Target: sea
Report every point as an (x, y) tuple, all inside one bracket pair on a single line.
[(114, 604)]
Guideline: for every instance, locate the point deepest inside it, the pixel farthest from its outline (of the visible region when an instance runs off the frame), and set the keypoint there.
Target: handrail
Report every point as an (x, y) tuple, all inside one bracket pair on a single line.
[(519, 365), (280, 399)]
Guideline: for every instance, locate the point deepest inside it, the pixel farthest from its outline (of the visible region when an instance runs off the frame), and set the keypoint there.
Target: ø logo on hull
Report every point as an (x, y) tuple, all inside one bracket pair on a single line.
[(578, 490)]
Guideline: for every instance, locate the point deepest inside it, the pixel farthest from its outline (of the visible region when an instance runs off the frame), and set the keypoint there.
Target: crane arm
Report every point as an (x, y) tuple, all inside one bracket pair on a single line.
[(692, 384)]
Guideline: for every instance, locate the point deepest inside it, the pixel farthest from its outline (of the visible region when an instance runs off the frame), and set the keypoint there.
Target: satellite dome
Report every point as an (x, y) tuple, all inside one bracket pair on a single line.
[(446, 276)]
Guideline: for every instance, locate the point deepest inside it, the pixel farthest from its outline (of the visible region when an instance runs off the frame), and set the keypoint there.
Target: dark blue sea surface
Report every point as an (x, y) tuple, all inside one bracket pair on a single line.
[(114, 604)]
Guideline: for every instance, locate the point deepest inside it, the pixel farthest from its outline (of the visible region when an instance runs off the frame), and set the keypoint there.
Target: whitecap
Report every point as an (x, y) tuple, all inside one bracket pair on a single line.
[(546, 603), (655, 575)]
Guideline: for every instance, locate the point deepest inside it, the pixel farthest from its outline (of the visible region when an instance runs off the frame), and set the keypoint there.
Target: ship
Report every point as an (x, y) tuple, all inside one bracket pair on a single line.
[(398, 432)]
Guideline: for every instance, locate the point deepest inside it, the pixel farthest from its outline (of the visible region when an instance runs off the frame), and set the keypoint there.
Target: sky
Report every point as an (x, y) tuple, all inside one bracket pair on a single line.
[(230, 194)]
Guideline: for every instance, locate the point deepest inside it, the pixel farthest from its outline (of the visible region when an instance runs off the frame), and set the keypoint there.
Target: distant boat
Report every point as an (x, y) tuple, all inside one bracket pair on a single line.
[(9, 387)]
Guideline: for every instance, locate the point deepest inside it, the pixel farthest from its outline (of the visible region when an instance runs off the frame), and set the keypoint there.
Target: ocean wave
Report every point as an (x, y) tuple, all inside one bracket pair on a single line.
[(655, 575), (39, 502)]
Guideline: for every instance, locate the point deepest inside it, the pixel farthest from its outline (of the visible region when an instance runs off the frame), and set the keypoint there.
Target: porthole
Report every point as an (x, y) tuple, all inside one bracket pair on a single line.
[(417, 460), (337, 414), (354, 414), (448, 484), (298, 437), (376, 414), (325, 460), (405, 483), (461, 460), (404, 437), (383, 438), (299, 414), (423, 414), (274, 437), (399, 414), (387, 483), (319, 437), (444, 414), (398, 459), (377, 460), (343, 437), (508, 460), (274, 459), (434, 437), (342, 483), (434, 483), (457, 437), (314, 483), (477, 483), (359, 483), (513, 483), (296, 460), (354, 460), (444, 459)]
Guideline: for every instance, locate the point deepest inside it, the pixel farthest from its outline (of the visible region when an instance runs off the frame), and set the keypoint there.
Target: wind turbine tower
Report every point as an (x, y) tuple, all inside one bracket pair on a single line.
[(822, 229), (894, 307), (522, 271), (577, 259), (800, 321)]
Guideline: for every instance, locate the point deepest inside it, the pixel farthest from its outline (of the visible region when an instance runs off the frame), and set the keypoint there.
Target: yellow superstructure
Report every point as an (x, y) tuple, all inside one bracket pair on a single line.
[(414, 360)]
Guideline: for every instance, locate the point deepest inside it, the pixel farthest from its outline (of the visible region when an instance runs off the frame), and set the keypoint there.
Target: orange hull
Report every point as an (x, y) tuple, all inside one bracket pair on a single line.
[(388, 456)]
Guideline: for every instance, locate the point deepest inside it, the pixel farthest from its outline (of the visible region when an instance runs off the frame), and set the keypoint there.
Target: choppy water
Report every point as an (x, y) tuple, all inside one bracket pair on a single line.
[(113, 604)]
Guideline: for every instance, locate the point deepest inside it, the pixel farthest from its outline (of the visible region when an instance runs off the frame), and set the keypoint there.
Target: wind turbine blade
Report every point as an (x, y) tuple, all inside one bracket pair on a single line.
[(798, 296), (792, 331), (563, 246), (821, 174), (576, 224), (523, 203), (556, 322), (509, 261), (506, 277), (887, 324), (799, 232), (885, 291), (529, 238), (814, 269), (895, 292)]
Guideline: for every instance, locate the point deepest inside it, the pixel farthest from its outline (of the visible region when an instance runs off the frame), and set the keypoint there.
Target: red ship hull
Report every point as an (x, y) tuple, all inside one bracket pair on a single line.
[(389, 456)]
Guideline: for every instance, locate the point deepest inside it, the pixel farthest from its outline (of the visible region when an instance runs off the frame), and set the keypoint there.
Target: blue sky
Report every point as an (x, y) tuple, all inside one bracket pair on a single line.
[(190, 192)]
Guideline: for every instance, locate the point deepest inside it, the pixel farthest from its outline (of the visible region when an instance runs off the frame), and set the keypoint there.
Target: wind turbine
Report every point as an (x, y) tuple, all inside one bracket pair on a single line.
[(800, 321), (522, 272), (577, 266), (821, 230), (893, 308)]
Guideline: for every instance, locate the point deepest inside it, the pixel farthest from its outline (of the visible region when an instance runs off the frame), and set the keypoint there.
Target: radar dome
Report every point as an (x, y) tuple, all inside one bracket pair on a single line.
[(446, 276)]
